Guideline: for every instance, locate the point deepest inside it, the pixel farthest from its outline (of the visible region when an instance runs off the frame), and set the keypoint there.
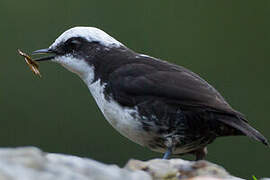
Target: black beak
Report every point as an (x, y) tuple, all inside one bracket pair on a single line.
[(44, 51)]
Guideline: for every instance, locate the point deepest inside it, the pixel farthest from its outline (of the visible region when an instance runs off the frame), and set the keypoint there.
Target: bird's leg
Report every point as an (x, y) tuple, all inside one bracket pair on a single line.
[(167, 153), (200, 153)]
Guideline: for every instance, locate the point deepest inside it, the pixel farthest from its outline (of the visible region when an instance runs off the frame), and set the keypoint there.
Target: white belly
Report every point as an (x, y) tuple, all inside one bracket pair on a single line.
[(121, 118)]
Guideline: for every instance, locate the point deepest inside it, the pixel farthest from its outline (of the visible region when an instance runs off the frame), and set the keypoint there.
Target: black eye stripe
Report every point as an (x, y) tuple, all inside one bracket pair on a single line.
[(75, 41), (75, 45)]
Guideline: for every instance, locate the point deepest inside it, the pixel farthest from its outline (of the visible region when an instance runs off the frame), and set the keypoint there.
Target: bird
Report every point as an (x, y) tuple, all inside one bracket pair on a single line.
[(154, 103)]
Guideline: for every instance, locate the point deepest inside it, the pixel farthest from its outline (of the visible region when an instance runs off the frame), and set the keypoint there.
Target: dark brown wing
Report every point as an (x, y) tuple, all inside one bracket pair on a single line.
[(134, 81), (137, 82)]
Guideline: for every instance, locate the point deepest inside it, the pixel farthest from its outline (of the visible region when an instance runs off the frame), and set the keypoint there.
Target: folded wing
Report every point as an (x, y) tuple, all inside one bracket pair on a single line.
[(134, 83)]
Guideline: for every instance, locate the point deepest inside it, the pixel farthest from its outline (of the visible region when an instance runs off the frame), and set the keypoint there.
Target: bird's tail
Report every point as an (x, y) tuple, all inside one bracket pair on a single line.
[(245, 128)]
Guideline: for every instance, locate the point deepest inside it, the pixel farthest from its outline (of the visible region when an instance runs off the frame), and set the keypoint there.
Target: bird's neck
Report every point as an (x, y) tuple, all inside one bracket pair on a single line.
[(100, 66), (88, 76)]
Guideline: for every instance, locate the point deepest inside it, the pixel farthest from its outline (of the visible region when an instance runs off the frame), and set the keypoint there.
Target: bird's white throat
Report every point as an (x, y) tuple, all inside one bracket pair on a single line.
[(77, 66)]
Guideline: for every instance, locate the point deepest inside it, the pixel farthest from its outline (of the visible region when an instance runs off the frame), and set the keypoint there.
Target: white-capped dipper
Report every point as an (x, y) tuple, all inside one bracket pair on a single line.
[(154, 103)]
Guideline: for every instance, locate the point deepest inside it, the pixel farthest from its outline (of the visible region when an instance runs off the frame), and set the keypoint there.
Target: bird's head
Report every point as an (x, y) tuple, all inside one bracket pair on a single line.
[(77, 47)]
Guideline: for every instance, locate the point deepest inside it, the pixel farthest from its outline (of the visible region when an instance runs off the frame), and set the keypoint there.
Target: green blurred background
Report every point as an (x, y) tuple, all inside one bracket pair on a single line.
[(226, 42)]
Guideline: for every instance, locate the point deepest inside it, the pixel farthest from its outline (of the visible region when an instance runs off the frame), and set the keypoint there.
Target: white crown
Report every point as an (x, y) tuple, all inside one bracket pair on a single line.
[(91, 34)]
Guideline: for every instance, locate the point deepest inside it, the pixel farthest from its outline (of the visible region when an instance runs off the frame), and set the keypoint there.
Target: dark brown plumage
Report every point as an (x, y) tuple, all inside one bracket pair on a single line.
[(162, 89)]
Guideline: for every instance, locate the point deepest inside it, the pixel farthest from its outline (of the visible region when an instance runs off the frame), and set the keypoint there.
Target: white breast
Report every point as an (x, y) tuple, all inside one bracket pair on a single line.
[(121, 118), (125, 120)]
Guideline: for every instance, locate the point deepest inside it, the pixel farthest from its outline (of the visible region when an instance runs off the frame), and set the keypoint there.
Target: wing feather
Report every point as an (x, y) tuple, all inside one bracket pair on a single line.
[(133, 83), (147, 79)]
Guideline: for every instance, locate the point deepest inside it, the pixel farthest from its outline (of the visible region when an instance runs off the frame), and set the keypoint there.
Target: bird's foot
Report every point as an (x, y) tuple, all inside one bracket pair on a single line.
[(167, 153), (200, 153)]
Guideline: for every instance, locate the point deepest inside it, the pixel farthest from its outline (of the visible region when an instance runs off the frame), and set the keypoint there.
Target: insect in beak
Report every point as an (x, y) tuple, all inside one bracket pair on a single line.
[(30, 62)]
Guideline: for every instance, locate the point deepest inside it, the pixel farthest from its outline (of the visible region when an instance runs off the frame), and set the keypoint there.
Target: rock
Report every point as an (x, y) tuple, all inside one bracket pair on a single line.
[(30, 163), (175, 169)]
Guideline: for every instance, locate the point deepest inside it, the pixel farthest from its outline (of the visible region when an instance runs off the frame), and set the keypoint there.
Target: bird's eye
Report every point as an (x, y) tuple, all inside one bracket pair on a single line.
[(74, 44)]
